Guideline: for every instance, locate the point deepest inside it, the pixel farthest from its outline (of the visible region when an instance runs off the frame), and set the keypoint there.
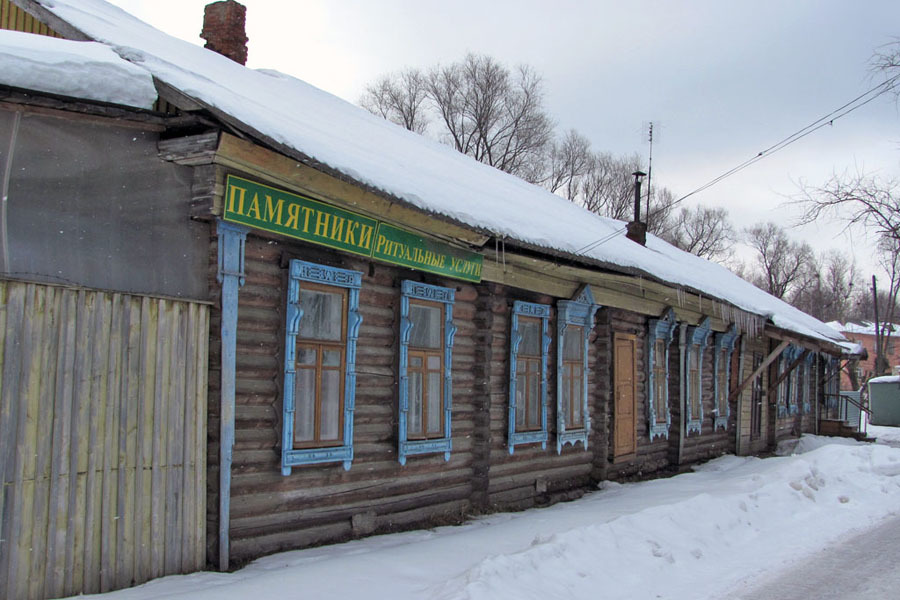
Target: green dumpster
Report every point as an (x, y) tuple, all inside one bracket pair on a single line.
[(884, 400)]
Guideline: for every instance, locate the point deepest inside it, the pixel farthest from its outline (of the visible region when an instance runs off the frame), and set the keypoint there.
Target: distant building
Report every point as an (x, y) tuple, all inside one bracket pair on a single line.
[(864, 334)]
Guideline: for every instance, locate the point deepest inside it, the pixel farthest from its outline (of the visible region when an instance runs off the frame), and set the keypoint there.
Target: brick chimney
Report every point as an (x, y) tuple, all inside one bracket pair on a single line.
[(223, 29)]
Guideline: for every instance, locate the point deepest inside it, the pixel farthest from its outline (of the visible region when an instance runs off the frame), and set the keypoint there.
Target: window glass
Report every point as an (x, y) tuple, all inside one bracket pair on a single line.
[(434, 403), (318, 390), (573, 343), (695, 382), (323, 313), (530, 330), (305, 401), (331, 405), (426, 322)]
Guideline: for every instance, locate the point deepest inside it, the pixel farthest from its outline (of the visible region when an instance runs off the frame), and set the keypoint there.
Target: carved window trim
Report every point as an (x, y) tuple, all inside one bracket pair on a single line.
[(808, 382), (697, 339), (578, 312), (422, 292), (724, 345), (534, 311), (659, 329), (327, 276)]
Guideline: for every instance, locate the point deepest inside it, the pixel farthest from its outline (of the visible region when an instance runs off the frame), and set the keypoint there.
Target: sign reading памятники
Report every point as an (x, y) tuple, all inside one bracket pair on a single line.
[(278, 211)]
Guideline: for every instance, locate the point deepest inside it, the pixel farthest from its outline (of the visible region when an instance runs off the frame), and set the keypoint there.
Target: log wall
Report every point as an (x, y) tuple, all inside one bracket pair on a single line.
[(650, 456), (711, 441), (323, 503)]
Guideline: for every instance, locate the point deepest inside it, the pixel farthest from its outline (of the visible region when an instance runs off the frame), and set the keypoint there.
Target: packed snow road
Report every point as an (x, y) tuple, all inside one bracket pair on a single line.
[(700, 535), (863, 566)]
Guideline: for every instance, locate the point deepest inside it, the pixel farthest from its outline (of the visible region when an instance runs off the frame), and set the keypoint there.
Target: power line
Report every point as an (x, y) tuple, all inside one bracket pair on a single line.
[(828, 119)]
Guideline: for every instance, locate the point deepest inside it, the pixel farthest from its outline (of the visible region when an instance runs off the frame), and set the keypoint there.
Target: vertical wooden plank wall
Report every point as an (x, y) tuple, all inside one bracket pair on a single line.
[(102, 439), (14, 18)]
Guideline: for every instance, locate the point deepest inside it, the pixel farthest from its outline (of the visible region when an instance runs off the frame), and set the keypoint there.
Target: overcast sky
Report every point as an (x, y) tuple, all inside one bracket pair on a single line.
[(723, 79)]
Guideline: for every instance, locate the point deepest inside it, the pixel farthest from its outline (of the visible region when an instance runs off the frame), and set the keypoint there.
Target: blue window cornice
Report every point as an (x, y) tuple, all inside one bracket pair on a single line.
[(580, 312), (433, 293), (542, 312), (724, 341), (659, 329), (352, 281), (697, 338)]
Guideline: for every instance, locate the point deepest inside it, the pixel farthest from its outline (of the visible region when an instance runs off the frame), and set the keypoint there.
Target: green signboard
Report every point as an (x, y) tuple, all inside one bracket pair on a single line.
[(278, 211)]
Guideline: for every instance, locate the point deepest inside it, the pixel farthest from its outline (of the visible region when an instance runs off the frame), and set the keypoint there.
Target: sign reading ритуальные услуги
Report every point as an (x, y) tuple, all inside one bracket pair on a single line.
[(278, 211)]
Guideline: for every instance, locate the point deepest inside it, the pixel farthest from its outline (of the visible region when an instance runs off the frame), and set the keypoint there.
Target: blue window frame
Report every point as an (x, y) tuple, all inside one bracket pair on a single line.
[(788, 389), (321, 329), (426, 356), (575, 318), (697, 338), (661, 333), (722, 375), (529, 344)]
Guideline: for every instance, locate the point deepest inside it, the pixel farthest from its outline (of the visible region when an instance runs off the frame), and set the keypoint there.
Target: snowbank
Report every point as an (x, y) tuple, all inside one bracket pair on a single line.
[(693, 536), (426, 174), (84, 70)]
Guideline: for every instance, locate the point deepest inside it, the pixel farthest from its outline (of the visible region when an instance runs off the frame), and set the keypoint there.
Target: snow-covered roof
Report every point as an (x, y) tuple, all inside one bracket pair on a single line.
[(886, 379), (84, 70), (426, 174), (865, 328)]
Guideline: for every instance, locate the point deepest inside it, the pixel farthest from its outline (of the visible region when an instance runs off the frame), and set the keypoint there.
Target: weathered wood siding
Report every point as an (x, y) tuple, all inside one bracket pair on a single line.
[(14, 18), (711, 441), (102, 437), (324, 503), (651, 456), (531, 475), (749, 444)]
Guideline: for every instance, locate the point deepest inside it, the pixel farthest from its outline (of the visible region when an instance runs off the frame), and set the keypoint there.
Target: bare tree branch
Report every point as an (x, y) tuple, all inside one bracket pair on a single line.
[(399, 98)]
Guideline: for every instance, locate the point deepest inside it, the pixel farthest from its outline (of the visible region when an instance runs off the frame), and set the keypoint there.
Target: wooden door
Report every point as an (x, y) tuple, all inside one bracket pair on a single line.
[(624, 386)]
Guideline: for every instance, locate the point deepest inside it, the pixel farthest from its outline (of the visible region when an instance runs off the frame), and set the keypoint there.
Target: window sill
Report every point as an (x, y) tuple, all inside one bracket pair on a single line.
[(527, 437), (311, 456), (412, 447)]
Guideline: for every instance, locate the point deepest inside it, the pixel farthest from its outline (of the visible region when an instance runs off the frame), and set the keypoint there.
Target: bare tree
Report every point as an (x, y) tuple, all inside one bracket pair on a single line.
[(399, 98), (662, 203), (859, 199), (608, 187), (828, 291), (704, 231), (491, 114), (781, 264), (569, 161)]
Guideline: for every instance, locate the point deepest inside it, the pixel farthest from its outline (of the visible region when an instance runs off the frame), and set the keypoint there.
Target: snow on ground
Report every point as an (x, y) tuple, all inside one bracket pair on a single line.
[(85, 70), (884, 435), (693, 536)]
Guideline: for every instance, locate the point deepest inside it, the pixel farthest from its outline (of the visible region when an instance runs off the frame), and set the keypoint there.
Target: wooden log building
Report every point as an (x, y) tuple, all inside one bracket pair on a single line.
[(226, 347)]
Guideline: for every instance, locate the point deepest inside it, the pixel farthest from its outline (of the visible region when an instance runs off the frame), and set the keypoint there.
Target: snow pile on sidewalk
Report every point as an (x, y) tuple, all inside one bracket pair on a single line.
[(692, 536)]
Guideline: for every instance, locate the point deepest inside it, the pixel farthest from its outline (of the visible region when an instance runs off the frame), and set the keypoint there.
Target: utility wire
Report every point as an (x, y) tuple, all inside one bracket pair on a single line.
[(828, 119)]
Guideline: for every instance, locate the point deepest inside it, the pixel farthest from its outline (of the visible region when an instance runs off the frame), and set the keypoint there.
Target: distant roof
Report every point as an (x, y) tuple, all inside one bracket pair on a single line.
[(324, 130), (85, 70), (866, 328)]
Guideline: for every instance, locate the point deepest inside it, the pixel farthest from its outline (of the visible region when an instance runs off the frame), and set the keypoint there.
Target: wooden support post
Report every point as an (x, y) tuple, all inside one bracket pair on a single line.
[(762, 367), (231, 276), (781, 377)]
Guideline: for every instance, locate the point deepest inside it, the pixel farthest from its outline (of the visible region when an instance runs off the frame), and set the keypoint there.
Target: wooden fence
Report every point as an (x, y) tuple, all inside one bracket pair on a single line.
[(102, 439)]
